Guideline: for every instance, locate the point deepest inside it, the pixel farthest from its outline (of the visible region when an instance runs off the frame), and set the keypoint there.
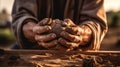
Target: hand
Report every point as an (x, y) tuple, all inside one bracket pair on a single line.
[(74, 35), (28, 31), (70, 38), (42, 35), (56, 28)]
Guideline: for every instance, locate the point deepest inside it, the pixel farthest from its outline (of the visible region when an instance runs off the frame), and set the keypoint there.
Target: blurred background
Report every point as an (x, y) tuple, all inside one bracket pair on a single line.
[(110, 42)]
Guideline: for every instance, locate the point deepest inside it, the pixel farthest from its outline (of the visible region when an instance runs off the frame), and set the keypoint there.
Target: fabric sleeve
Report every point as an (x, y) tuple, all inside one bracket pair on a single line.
[(93, 15), (23, 10)]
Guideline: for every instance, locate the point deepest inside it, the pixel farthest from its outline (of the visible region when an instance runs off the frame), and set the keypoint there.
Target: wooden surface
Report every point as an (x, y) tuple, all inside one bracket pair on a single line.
[(59, 52), (51, 58)]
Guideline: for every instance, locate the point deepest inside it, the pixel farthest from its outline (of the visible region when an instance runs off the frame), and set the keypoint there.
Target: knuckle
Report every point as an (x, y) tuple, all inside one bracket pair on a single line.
[(60, 40), (73, 38), (47, 28), (35, 29), (44, 45), (52, 35), (36, 37), (62, 33), (39, 38), (67, 44)]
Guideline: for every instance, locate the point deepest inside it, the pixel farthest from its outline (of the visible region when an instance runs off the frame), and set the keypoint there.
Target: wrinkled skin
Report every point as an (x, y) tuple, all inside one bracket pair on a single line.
[(42, 36), (57, 34), (56, 28), (74, 35)]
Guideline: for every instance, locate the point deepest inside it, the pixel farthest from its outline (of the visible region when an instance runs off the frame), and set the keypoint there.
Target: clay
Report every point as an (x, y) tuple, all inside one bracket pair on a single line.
[(56, 25)]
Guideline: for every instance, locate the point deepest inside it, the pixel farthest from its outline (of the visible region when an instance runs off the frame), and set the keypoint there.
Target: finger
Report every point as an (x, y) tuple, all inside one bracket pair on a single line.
[(41, 29), (70, 37), (46, 21), (74, 30), (67, 44), (64, 24), (45, 38), (59, 47), (69, 22), (71, 30), (56, 21), (48, 45)]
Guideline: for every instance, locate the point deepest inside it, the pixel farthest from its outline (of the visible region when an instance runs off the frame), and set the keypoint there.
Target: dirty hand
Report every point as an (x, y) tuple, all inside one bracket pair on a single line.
[(28, 31), (42, 35), (74, 35)]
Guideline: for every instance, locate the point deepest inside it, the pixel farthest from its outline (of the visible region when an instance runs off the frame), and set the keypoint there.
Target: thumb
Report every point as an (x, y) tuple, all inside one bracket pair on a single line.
[(45, 21), (69, 22)]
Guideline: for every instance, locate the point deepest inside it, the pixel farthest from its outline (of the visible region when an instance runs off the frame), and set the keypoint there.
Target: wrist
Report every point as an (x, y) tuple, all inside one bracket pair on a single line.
[(28, 31), (86, 35)]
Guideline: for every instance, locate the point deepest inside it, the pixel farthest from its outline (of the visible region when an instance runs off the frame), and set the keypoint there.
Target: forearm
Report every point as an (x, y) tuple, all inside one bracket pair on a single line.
[(95, 18)]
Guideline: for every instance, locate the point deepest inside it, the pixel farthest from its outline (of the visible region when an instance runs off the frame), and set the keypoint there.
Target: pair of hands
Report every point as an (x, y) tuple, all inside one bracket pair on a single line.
[(51, 33)]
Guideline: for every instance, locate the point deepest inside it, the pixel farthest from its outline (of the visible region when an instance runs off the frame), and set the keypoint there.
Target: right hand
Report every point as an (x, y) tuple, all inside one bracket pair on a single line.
[(28, 31), (42, 36)]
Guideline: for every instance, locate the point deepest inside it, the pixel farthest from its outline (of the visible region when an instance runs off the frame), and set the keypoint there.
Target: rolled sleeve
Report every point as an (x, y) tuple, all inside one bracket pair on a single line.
[(23, 10), (93, 15)]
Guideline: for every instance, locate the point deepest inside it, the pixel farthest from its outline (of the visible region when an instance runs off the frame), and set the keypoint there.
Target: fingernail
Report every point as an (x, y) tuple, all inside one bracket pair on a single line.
[(62, 33), (53, 35), (60, 40), (48, 27), (64, 23)]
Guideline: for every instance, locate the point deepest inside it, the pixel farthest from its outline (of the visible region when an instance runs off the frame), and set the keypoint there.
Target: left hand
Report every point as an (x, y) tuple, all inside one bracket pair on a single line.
[(70, 37), (74, 35)]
